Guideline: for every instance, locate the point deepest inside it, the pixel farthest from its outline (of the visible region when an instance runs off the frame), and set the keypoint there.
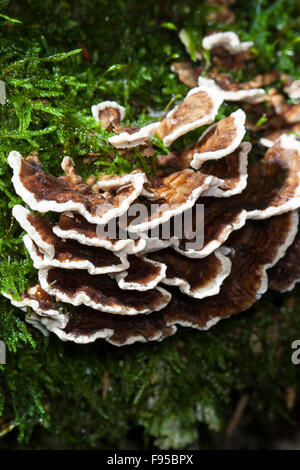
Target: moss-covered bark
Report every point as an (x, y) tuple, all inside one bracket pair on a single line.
[(58, 61)]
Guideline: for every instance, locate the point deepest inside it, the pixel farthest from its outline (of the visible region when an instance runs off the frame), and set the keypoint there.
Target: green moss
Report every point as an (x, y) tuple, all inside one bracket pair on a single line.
[(55, 395)]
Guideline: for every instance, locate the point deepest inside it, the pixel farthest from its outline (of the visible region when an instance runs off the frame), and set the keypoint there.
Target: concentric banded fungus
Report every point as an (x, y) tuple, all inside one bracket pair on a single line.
[(194, 277), (100, 293), (44, 192), (87, 325), (38, 228), (113, 278), (219, 140), (169, 196), (48, 250), (286, 273), (234, 91), (216, 142), (256, 248), (109, 113), (227, 40), (199, 108), (230, 173), (142, 274), (219, 222), (72, 255), (134, 137), (273, 182), (75, 227), (41, 303), (273, 188)]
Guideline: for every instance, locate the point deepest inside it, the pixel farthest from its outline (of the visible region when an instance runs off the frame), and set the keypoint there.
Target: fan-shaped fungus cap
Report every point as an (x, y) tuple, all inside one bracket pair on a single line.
[(134, 136), (44, 192), (48, 250), (286, 273), (289, 113), (219, 222), (194, 277), (143, 274), (109, 113), (228, 40), (273, 182), (72, 255), (86, 325), (100, 292), (217, 141), (199, 108), (232, 90), (41, 303), (187, 74), (255, 248), (169, 196), (230, 172), (38, 228), (75, 227)]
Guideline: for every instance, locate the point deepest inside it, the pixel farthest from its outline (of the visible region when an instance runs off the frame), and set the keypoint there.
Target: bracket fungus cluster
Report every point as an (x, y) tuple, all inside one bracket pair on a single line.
[(142, 281)]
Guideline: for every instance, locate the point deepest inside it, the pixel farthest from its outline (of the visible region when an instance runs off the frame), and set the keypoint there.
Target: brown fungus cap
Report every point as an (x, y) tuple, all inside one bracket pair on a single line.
[(256, 248), (286, 273), (133, 137), (290, 113), (199, 108), (85, 325), (227, 50), (273, 188), (194, 277), (218, 223), (75, 227), (187, 73), (100, 292), (44, 192), (232, 90), (48, 250), (230, 172), (273, 182), (143, 274), (216, 142), (41, 303), (168, 196), (220, 139), (109, 114)]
